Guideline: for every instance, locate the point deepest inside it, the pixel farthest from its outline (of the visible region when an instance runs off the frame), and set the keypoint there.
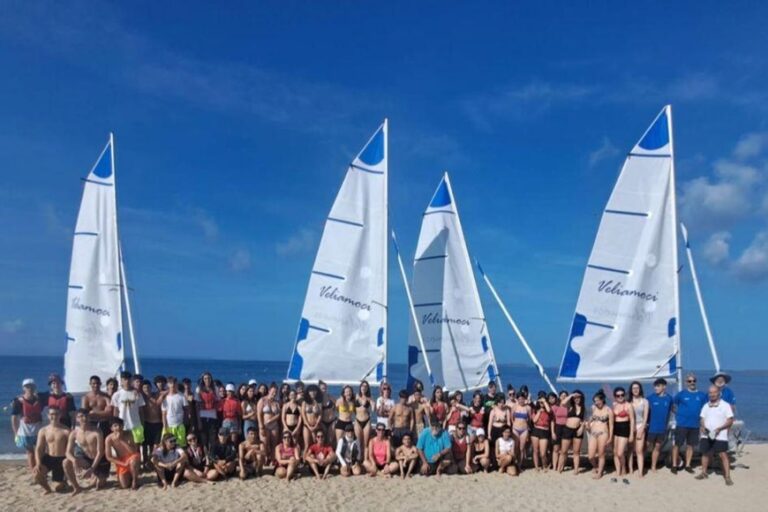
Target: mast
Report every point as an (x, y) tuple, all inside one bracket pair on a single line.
[(515, 328), (699, 298), (412, 309), (674, 253), (386, 252)]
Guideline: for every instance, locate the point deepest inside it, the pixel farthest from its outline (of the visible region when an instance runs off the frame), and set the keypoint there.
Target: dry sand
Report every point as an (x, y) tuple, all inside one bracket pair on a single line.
[(479, 493)]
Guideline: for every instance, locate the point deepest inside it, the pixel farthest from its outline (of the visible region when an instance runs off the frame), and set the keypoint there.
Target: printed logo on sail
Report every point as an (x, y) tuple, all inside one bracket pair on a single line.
[(438, 318), (332, 293), (90, 309), (616, 288)]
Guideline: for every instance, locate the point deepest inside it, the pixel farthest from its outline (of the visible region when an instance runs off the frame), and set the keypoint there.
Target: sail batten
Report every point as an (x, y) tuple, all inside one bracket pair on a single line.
[(626, 324), (342, 332), (450, 316)]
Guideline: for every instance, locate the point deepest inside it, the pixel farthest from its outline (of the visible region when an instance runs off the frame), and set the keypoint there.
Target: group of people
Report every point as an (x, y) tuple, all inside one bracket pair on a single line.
[(209, 431)]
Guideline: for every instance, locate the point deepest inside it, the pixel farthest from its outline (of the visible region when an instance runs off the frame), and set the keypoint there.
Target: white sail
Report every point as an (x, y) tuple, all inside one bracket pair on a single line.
[(342, 332), (447, 303), (94, 306), (627, 316)]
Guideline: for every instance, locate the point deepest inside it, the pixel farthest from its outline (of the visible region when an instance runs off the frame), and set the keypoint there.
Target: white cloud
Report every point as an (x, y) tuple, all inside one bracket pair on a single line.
[(206, 223), (752, 265), (717, 249), (606, 151), (240, 260), (751, 145), (303, 241), (13, 326)]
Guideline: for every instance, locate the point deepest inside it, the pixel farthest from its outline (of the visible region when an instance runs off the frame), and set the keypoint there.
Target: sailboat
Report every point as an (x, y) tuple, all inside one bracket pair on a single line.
[(97, 291), (449, 342), (342, 334), (626, 324)]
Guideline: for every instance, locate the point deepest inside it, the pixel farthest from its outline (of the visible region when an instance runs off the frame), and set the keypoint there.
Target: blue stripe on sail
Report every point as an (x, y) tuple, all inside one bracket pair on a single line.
[(322, 329), (609, 269), (380, 338), (424, 258), (70, 338), (645, 155), (491, 373), (86, 233), (428, 304), (97, 182), (484, 343), (441, 197), (439, 211), (75, 287), (120, 342), (572, 359), (379, 371), (297, 362), (359, 168), (599, 324), (373, 153), (326, 274), (624, 212), (342, 221)]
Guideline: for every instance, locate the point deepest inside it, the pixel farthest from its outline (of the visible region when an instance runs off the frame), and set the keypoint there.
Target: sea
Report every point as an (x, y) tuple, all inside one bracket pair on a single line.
[(752, 400)]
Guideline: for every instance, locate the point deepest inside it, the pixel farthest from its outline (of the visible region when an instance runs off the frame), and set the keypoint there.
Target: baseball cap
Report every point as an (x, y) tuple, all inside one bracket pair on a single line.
[(230, 387), (252, 382), (223, 431), (54, 376), (27, 382)]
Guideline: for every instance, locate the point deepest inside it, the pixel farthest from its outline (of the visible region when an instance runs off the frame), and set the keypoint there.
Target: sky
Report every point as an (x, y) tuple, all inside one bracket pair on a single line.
[(234, 127)]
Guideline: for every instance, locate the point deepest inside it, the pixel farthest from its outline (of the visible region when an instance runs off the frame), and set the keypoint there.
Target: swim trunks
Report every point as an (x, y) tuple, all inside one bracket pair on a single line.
[(55, 465), (179, 432)]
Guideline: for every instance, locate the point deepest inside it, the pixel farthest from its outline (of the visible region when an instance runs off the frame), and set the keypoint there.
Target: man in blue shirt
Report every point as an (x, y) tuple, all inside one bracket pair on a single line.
[(434, 448), (659, 405), (721, 380), (688, 404)]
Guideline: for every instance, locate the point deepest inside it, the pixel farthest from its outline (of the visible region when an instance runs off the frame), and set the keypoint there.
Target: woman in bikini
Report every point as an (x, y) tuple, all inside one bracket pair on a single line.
[(285, 388), (268, 412), (498, 420), (286, 457), (248, 406), (623, 429), (641, 410), (291, 418), (345, 408), (438, 405), (505, 452), (476, 414), (543, 430), (363, 407), (560, 415), (481, 452), (521, 416), (573, 433), (328, 403), (380, 455), (600, 428), (511, 400), (311, 415)]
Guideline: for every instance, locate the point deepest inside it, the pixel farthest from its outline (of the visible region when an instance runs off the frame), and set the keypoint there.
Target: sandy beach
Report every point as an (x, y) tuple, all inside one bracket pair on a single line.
[(531, 491)]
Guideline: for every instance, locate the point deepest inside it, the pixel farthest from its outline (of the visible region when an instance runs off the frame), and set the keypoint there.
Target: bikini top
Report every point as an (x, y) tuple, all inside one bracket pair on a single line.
[(366, 404), (602, 419), (622, 413), (345, 408), (270, 408), (329, 404), (639, 410), (573, 414), (291, 412), (520, 415)]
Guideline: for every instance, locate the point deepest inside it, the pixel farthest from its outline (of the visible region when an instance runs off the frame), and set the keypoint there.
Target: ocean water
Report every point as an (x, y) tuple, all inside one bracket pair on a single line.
[(752, 401)]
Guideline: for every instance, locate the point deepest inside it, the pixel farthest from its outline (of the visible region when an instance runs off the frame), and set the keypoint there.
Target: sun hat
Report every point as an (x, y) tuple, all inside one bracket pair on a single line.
[(720, 374)]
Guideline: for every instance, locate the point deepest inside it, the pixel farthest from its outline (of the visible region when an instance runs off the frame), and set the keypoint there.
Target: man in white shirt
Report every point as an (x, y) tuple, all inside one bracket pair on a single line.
[(175, 407), (128, 405), (716, 419)]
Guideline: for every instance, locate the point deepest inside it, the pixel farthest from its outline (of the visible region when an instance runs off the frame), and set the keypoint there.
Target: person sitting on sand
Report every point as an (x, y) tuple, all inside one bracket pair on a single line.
[(85, 454), (251, 454), (461, 450), (320, 455), (505, 452), (223, 457), (197, 458), (716, 420), (348, 453), (600, 428), (170, 464), (50, 451), (379, 454), (434, 447), (401, 419), (287, 457), (96, 402), (121, 450), (481, 452), (27, 419), (407, 456)]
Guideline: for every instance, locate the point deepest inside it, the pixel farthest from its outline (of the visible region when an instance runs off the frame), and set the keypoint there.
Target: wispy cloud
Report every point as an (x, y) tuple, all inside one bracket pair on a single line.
[(717, 249), (751, 145), (206, 223), (302, 241), (53, 221), (240, 260), (13, 326), (606, 151), (752, 265)]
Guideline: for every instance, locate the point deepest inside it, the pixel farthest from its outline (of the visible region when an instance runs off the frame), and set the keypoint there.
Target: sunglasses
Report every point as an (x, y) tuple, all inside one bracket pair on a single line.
[(191, 439), (379, 430), (287, 437), (690, 381), (619, 395), (461, 428)]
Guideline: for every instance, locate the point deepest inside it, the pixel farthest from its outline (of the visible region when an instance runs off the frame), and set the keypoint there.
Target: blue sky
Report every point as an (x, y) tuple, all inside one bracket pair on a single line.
[(234, 127)]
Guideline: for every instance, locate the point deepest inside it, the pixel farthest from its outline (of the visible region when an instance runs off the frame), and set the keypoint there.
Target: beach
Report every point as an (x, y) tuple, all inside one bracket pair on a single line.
[(530, 491)]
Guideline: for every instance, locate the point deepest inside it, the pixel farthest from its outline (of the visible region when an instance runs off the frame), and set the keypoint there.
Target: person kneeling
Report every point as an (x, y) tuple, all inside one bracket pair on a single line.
[(320, 456), (434, 446), (348, 452)]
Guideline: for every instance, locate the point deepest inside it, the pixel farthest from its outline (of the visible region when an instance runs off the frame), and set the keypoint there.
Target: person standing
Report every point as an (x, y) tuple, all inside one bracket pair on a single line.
[(60, 399), (687, 405), (96, 402), (384, 404), (716, 420), (128, 405), (175, 409), (721, 380), (660, 407), (27, 419)]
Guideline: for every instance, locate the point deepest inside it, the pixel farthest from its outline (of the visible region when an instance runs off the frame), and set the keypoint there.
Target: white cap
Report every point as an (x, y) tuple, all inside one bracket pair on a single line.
[(252, 382), (479, 432), (230, 387), (27, 382)]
